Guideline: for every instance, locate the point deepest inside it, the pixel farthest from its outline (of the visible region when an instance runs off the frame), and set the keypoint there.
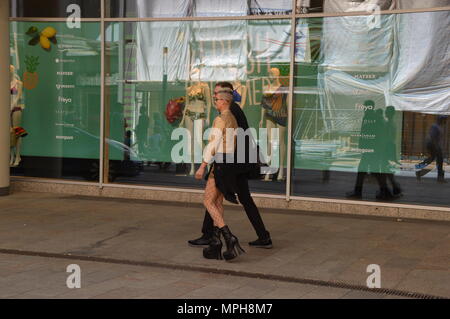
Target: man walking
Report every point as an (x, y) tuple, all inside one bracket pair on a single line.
[(434, 147), (243, 192)]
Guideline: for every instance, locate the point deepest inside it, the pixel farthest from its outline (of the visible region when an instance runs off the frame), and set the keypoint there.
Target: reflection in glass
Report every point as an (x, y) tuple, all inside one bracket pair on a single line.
[(341, 6), (196, 8), (58, 101), (162, 77), (435, 150), (366, 105), (55, 8)]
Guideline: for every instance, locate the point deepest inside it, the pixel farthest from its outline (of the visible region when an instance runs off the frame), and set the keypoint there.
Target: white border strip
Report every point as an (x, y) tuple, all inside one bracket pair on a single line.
[(101, 167), (290, 103)]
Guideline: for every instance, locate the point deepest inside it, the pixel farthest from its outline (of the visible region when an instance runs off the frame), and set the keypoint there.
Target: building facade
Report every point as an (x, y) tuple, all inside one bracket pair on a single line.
[(348, 100)]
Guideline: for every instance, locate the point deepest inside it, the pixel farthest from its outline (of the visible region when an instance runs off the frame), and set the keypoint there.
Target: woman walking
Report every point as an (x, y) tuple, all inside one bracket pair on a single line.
[(221, 178)]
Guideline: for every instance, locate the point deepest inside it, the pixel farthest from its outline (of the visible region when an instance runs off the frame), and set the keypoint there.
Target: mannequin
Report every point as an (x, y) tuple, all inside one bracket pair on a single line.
[(197, 107), (274, 111), (303, 6), (240, 93), (17, 132)]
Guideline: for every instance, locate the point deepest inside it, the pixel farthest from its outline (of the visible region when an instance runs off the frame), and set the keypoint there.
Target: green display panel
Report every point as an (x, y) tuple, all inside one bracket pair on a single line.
[(60, 71), (333, 129)]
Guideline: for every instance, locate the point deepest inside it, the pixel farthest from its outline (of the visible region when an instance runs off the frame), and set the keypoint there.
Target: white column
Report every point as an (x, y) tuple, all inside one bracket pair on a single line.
[(4, 98)]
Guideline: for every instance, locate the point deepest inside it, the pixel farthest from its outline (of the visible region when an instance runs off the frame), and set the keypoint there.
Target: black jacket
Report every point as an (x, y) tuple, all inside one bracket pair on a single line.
[(241, 119), (251, 170)]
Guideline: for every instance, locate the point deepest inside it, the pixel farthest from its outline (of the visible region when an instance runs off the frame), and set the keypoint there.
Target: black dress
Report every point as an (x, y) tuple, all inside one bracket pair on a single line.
[(224, 168)]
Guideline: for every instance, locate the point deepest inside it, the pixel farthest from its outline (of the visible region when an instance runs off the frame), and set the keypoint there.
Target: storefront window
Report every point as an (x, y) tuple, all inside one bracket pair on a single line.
[(196, 8), (370, 110), (55, 100), (161, 78), (370, 97)]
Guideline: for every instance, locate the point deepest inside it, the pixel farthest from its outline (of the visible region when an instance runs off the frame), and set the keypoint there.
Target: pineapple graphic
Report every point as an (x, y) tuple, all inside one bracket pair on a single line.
[(30, 77)]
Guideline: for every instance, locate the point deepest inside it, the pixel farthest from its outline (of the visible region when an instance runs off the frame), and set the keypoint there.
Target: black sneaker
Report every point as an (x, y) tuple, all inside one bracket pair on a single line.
[(200, 242), (385, 195), (353, 195), (261, 243)]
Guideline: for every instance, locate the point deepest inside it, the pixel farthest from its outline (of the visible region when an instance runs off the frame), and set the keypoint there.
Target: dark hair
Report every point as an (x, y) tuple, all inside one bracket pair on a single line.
[(390, 111), (369, 103), (225, 85), (441, 119)]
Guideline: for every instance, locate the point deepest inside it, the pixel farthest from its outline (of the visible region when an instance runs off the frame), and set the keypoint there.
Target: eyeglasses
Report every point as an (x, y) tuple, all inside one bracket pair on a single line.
[(222, 90)]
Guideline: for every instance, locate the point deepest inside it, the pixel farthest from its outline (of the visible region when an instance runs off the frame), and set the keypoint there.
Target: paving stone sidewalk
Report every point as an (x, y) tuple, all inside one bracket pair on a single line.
[(413, 256), (31, 277)]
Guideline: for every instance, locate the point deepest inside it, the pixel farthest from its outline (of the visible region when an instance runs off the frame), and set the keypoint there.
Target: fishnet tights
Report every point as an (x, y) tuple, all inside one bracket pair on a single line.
[(213, 202)]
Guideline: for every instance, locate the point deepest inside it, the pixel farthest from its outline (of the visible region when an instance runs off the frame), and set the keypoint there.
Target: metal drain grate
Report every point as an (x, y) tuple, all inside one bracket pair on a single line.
[(314, 282)]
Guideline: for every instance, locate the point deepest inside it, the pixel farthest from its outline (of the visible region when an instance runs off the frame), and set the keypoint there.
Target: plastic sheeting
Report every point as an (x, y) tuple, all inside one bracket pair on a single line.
[(270, 42), (348, 5), (270, 7), (405, 63), (420, 4), (365, 5), (162, 8), (352, 44), (221, 50), (420, 73), (152, 37), (408, 53), (207, 8)]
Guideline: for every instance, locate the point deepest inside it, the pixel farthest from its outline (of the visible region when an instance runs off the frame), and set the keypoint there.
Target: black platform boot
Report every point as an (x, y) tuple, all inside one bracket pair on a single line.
[(214, 250), (233, 247)]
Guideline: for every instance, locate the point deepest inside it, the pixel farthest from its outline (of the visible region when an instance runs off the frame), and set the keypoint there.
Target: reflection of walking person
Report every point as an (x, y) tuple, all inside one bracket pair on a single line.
[(141, 131), (391, 152), (372, 141), (434, 148), (127, 142)]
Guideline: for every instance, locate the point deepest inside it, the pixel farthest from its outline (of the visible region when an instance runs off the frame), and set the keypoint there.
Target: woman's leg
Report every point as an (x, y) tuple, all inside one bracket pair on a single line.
[(282, 150), (189, 125), (214, 250), (219, 204), (17, 121), (213, 202), (269, 126)]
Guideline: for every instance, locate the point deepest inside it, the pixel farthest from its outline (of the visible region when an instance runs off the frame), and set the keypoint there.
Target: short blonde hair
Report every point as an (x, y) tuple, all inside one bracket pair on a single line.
[(227, 96)]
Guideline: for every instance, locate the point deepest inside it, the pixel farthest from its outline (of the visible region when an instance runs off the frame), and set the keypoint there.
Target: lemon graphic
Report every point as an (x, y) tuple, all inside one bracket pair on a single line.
[(48, 32), (45, 42)]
